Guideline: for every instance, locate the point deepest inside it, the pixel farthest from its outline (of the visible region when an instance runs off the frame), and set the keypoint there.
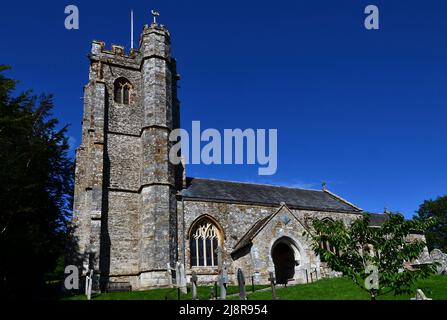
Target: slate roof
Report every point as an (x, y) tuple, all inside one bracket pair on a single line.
[(377, 219), (238, 192), (250, 234)]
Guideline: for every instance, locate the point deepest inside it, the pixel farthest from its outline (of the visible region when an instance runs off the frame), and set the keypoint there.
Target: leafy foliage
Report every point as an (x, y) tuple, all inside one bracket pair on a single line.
[(36, 182), (387, 247), (437, 234)]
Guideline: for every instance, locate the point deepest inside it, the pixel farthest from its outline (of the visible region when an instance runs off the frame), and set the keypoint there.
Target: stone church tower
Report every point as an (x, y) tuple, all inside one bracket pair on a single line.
[(125, 208), (135, 215)]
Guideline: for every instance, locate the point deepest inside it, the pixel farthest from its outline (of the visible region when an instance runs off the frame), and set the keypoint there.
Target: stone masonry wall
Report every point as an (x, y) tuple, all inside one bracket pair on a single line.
[(124, 155), (123, 226), (236, 220)]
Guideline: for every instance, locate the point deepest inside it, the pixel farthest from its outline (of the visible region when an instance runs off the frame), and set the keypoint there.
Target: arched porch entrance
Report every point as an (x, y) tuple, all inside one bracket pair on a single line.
[(284, 259)]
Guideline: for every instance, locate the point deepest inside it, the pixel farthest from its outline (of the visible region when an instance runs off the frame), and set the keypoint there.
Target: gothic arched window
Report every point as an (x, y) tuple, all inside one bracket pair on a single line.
[(204, 242), (121, 91)]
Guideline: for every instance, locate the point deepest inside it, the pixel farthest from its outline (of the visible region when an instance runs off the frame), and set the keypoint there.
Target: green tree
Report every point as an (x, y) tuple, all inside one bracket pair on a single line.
[(36, 182), (387, 248), (437, 234)]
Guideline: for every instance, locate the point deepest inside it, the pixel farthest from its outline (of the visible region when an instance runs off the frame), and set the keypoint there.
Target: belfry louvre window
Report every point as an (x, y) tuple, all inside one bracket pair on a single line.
[(121, 91), (204, 242)]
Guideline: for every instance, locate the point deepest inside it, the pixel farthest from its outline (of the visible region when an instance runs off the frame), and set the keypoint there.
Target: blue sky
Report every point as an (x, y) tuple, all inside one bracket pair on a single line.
[(363, 110)]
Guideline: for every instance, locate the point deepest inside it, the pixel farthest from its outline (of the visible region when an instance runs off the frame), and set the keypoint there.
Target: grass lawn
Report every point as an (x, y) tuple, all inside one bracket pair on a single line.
[(204, 293), (434, 287)]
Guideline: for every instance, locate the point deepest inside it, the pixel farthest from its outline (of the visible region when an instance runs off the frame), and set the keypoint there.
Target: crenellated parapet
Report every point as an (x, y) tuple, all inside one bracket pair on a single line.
[(100, 56), (155, 41)]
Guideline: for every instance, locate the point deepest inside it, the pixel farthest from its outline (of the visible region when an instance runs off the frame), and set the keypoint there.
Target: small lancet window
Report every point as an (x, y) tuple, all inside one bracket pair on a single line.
[(121, 90)]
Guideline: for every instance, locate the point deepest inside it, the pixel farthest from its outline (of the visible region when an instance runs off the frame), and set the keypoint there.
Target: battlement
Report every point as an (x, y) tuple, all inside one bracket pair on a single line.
[(157, 29), (154, 40), (99, 48)]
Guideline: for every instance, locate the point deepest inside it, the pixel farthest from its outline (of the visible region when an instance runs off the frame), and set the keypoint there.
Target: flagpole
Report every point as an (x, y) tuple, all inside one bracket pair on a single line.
[(131, 29)]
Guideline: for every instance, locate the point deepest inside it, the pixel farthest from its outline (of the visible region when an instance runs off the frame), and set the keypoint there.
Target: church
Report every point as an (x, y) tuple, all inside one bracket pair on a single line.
[(136, 215)]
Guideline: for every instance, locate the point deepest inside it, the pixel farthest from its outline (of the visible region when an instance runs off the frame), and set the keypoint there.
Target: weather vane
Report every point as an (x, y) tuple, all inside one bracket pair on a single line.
[(155, 14)]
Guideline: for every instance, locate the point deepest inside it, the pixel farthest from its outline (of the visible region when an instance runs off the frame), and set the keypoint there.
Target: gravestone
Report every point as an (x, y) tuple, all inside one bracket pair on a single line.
[(272, 283), (177, 272), (313, 275), (194, 286), (223, 280), (241, 284), (89, 280), (169, 274), (420, 295), (86, 283), (180, 277), (257, 277), (440, 259)]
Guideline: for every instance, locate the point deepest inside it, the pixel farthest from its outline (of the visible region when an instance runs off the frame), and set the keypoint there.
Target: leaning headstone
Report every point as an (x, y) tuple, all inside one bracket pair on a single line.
[(89, 285), (223, 280), (272, 283), (241, 284), (194, 286), (420, 295)]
